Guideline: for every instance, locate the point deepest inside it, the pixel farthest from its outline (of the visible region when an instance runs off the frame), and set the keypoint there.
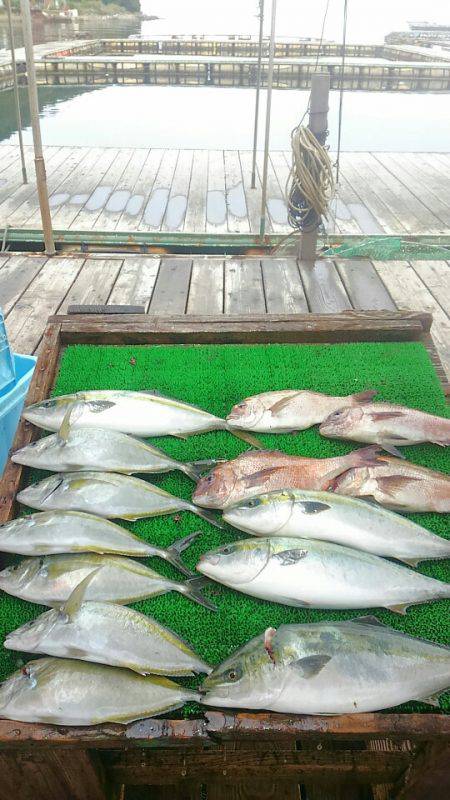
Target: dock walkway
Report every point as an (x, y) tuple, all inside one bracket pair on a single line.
[(208, 191), (32, 287)]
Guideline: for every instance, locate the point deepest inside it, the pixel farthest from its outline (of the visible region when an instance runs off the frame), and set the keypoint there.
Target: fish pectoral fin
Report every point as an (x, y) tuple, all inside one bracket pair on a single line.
[(389, 484), (97, 406), (180, 436), (432, 700), (399, 608), (375, 416), (289, 557), (76, 599), (246, 437), (311, 507), (280, 404), (259, 477), (310, 666), (394, 451), (411, 562)]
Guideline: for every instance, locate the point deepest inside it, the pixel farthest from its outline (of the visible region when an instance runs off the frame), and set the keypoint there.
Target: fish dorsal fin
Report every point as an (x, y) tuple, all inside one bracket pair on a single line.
[(369, 619), (310, 666), (283, 403), (76, 599)]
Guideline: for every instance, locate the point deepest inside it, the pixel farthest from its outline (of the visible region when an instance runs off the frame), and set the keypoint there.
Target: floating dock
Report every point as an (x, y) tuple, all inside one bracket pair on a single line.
[(208, 192), (222, 62)]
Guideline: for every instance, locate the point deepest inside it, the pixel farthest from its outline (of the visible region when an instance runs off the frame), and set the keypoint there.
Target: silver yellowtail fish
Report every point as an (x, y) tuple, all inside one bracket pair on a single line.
[(336, 518), (98, 449), (108, 495), (60, 691), (313, 574), (330, 668), (388, 425), (50, 580), (53, 532), (137, 413), (106, 633), (289, 410)]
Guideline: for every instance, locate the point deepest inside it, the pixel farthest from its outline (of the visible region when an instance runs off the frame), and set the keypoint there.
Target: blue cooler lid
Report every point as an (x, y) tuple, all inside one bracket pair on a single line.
[(7, 371)]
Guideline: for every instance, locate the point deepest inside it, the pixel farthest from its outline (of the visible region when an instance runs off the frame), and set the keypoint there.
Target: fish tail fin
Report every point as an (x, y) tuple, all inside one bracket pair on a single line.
[(245, 436), (364, 397), (195, 469), (191, 589), (366, 456), (172, 554), (204, 514)]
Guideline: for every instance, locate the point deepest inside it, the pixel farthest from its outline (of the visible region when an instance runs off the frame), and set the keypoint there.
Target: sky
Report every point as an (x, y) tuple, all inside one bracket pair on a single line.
[(368, 20)]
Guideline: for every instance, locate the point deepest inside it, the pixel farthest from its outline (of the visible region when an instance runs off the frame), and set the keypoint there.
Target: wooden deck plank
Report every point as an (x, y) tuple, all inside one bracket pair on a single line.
[(364, 286), (195, 220), (16, 274), (206, 288), (283, 286), (417, 184), (135, 282), (409, 292), (276, 203), (9, 154), (26, 321), (431, 171), (93, 284), (87, 216), (28, 213), (81, 183), (237, 215), (15, 192), (252, 196), (177, 203), (216, 206), (362, 219), (324, 289), (244, 288), (156, 203), (172, 287), (412, 213), (436, 277), (384, 216), (123, 191), (134, 211)]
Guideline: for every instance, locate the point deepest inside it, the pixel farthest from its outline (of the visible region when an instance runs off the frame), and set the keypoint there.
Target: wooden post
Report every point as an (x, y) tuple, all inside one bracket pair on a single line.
[(262, 223), (41, 177), (318, 124), (16, 91)]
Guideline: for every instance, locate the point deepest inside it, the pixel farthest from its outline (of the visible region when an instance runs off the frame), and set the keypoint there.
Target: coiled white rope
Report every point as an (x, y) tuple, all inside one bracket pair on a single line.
[(310, 185)]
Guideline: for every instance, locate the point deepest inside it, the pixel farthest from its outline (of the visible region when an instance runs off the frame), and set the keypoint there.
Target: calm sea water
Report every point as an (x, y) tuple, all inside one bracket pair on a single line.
[(203, 117), (208, 117)]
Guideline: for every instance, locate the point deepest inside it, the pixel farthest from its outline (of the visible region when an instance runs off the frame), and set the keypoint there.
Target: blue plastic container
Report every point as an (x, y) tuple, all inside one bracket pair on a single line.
[(11, 404), (7, 372)]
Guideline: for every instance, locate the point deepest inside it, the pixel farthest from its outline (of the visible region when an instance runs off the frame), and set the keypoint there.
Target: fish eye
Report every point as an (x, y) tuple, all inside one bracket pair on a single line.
[(209, 479), (227, 550), (234, 674), (254, 503), (241, 405)]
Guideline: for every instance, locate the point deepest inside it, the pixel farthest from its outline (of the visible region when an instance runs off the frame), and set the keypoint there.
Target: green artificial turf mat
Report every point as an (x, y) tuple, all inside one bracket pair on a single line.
[(215, 377)]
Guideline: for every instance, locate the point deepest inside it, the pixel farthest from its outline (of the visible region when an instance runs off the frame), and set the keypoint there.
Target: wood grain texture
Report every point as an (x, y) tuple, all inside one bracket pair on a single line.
[(52, 775)]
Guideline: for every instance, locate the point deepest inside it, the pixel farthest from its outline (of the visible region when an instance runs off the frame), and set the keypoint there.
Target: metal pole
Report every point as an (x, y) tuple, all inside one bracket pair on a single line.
[(262, 224), (318, 125), (16, 91), (258, 90), (39, 163)]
